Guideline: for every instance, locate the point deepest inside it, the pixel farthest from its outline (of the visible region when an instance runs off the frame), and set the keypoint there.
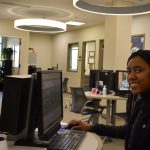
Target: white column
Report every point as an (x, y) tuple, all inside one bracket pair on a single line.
[(117, 41)]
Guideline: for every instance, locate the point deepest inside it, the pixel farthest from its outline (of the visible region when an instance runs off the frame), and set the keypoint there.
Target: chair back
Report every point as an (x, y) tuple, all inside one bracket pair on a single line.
[(64, 84), (78, 99)]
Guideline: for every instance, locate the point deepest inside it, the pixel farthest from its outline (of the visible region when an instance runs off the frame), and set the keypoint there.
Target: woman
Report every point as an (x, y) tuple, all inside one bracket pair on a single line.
[(136, 131)]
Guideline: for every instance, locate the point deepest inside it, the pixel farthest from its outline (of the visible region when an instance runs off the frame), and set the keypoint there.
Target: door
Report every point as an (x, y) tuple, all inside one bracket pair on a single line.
[(101, 51), (88, 61)]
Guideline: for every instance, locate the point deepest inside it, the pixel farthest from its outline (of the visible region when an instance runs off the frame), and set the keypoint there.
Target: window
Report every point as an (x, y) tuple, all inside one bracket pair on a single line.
[(16, 55), (13, 43), (73, 50)]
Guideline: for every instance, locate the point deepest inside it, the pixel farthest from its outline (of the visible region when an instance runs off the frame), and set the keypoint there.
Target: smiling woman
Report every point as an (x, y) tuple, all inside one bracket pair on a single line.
[(139, 72), (136, 131)]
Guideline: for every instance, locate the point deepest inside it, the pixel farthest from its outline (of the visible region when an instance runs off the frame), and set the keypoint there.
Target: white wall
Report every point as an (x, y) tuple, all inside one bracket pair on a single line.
[(141, 25), (117, 41), (60, 48), (7, 29), (52, 49), (42, 44), (57, 45)]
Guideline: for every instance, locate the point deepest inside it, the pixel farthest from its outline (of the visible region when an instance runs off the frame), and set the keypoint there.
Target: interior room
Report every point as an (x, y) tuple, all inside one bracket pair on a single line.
[(103, 41)]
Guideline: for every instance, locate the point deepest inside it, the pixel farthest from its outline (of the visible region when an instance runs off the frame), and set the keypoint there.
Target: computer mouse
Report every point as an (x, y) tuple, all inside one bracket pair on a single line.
[(71, 125)]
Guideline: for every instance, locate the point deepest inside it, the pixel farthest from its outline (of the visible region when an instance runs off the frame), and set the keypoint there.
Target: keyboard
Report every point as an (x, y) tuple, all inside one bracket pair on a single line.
[(66, 140)]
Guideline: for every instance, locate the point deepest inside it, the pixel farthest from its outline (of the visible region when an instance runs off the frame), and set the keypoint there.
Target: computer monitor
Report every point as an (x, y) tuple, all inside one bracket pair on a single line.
[(94, 76), (107, 76), (14, 104), (121, 83), (49, 90), (40, 106)]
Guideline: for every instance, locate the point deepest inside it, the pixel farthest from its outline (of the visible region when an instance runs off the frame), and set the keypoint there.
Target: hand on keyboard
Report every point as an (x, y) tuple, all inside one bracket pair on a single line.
[(79, 125), (72, 126)]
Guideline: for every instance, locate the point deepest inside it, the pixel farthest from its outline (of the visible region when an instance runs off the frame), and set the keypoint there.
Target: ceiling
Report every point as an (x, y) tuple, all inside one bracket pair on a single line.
[(60, 10)]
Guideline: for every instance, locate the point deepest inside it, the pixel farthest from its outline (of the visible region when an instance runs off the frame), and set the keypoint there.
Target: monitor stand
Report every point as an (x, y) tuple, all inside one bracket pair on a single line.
[(32, 141)]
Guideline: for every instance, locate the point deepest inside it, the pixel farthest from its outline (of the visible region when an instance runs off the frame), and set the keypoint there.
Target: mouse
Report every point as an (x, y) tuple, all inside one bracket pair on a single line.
[(71, 125)]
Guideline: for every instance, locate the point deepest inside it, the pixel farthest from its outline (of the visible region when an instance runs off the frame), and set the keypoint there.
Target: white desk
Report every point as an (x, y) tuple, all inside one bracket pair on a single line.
[(110, 99), (91, 142)]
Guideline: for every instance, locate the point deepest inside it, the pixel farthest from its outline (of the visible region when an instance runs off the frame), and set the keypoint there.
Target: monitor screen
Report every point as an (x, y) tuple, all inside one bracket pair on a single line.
[(49, 89), (121, 86)]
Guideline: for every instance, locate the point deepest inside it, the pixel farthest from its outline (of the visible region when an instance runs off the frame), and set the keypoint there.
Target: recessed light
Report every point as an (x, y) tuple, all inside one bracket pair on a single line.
[(74, 23)]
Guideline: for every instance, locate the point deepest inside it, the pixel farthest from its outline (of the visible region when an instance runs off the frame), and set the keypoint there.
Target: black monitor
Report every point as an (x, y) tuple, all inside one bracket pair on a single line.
[(121, 83), (93, 78), (49, 90), (107, 76), (39, 105), (15, 104)]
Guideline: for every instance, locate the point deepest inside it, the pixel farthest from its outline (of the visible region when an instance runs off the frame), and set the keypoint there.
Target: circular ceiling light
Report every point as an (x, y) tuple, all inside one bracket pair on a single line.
[(111, 10), (40, 25)]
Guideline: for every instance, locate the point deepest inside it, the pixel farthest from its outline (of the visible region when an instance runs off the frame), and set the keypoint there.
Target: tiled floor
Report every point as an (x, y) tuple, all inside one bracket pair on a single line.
[(116, 144)]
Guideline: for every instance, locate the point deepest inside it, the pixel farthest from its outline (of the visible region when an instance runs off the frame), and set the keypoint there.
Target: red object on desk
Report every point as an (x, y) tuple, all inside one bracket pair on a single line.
[(94, 90)]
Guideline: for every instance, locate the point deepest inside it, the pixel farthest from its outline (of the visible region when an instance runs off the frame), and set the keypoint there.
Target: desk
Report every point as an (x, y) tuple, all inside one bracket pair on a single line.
[(91, 142), (110, 99)]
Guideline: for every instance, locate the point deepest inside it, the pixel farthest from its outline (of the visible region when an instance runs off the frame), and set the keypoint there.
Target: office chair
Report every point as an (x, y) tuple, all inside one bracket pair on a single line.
[(81, 104), (64, 84)]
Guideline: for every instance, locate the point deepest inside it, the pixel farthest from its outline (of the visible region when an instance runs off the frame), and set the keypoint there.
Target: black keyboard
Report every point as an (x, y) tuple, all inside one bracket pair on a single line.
[(66, 140)]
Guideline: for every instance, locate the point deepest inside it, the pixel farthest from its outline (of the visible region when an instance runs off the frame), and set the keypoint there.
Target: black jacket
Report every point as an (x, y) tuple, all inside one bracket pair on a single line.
[(137, 130)]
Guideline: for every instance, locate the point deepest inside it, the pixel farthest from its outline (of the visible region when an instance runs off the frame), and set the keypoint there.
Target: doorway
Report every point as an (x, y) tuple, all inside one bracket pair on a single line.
[(89, 59)]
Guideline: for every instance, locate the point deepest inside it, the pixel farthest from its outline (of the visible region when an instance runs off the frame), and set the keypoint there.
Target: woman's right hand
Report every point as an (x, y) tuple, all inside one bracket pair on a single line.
[(79, 125)]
